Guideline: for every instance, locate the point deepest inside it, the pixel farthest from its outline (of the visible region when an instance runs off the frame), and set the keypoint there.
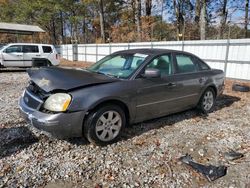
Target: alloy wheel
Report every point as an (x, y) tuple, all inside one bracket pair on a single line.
[(208, 100), (108, 125)]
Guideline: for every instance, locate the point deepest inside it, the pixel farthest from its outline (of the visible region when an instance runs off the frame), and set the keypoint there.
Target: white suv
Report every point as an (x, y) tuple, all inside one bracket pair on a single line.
[(22, 54)]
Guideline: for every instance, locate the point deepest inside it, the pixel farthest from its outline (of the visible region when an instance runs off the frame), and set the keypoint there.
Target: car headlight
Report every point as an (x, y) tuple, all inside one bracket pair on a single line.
[(58, 102)]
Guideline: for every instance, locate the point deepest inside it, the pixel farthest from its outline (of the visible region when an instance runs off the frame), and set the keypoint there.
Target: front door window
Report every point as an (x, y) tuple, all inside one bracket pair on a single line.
[(163, 63), (14, 49)]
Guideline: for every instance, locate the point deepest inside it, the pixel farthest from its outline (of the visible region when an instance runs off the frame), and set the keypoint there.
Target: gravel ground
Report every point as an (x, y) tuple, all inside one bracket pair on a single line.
[(146, 156)]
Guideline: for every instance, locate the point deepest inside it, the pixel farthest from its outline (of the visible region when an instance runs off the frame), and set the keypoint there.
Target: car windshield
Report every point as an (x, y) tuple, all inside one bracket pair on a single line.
[(2, 46), (120, 66)]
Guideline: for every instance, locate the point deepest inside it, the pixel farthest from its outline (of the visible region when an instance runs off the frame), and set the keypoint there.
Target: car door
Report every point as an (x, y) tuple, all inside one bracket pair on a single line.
[(30, 52), (188, 79), (157, 96), (13, 56)]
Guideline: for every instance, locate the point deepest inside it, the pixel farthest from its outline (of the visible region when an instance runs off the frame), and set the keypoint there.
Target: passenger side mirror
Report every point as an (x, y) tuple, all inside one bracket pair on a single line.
[(152, 73)]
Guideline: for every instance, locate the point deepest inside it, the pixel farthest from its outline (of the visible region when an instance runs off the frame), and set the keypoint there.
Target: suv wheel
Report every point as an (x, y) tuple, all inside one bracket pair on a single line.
[(104, 125)]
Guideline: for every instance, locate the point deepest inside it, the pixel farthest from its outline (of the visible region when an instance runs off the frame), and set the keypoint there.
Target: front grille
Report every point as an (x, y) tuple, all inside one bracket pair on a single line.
[(32, 101)]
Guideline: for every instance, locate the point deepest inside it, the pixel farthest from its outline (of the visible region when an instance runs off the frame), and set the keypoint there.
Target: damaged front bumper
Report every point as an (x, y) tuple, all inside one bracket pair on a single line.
[(59, 125)]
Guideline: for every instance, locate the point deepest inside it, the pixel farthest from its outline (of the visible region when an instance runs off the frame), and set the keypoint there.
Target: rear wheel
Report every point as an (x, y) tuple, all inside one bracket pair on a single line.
[(207, 101), (104, 125)]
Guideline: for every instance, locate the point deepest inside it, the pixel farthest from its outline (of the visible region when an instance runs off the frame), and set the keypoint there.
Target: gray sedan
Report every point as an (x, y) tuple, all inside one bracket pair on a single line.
[(123, 88)]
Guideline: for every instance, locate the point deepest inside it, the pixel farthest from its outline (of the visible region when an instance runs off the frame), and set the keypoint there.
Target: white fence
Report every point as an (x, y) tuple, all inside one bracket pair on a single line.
[(232, 56)]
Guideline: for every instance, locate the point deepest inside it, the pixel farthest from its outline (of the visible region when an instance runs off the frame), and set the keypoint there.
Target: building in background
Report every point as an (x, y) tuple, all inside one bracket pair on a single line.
[(12, 33)]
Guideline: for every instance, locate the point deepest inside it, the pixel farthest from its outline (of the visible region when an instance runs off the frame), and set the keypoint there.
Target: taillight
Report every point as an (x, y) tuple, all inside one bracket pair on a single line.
[(56, 56)]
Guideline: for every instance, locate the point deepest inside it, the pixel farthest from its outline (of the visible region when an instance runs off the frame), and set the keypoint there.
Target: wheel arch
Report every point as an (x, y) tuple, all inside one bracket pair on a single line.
[(117, 102), (214, 88)]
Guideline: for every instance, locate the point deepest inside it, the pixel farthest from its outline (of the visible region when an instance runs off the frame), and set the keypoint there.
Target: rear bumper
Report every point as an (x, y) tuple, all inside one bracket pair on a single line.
[(60, 125)]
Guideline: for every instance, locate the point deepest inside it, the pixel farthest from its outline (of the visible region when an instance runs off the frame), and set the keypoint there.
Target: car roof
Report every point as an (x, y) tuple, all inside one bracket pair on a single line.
[(28, 44), (151, 51)]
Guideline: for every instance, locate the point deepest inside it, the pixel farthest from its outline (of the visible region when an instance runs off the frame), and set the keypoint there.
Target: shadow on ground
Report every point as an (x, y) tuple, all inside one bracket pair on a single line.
[(15, 139), (140, 128), (78, 141), (12, 70)]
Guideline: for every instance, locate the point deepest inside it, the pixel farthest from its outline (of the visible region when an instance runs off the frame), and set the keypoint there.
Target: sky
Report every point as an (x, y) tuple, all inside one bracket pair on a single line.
[(235, 11)]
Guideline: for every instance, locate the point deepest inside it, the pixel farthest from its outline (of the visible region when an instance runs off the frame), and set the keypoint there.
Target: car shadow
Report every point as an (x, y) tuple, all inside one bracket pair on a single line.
[(134, 130), (12, 70), (14, 139), (79, 141), (140, 128)]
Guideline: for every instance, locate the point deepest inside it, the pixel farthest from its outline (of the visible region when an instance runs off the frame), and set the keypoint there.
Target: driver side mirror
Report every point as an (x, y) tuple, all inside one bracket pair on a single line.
[(152, 73)]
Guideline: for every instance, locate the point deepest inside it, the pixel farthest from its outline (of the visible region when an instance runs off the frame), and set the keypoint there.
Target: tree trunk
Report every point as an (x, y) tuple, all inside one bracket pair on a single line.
[(84, 30), (138, 19), (179, 18), (62, 27), (133, 5), (162, 1), (197, 12), (246, 17), (102, 22), (197, 18), (223, 19), (54, 31), (203, 20), (176, 11), (148, 4)]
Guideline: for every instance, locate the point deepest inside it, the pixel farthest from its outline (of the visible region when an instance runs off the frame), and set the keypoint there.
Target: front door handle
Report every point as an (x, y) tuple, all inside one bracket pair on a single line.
[(202, 80), (19, 55), (38, 55), (171, 84)]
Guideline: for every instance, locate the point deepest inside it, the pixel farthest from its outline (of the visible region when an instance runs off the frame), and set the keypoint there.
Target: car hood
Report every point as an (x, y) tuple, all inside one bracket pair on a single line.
[(55, 78)]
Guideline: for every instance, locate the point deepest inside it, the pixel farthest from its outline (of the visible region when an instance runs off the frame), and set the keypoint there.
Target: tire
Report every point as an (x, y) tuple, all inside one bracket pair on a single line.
[(207, 101), (104, 125), (241, 88)]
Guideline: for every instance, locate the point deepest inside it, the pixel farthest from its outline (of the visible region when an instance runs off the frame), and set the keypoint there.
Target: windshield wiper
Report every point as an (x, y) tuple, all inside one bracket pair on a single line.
[(107, 74)]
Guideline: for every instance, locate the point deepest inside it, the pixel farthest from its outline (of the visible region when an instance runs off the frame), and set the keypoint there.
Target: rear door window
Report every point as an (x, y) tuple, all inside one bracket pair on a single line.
[(203, 66), (47, 49), (30, 49), (185, 64)]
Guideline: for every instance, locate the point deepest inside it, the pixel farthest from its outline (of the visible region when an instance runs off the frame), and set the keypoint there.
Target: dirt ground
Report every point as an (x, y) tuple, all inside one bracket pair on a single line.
[(66, 63), (146, 156)]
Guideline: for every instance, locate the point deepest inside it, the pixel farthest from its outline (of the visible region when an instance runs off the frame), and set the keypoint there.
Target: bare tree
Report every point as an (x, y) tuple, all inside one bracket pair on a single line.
[(223, 20), (197, 11), (203, 20), (62, 27), (179, 18), (246, 17), (102, 22), (148, 5), (138, 19)]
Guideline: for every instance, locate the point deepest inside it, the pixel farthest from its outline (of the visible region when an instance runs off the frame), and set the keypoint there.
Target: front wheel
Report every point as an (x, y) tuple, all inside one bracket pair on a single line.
[(207, 101), (104, 125)]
